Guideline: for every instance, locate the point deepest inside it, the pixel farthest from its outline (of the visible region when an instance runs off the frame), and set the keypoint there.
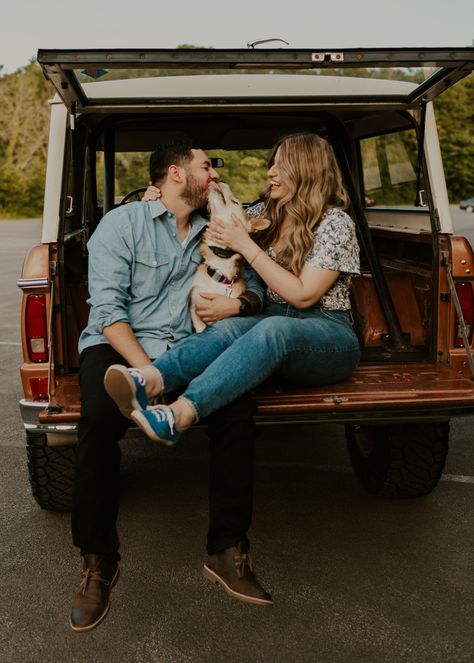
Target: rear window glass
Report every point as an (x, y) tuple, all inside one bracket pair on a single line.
[(389, 164), (244, 170)]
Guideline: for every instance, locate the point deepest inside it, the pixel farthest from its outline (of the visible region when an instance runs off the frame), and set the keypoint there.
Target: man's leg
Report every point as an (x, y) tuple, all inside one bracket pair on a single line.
[(96, 488), (231, 443)]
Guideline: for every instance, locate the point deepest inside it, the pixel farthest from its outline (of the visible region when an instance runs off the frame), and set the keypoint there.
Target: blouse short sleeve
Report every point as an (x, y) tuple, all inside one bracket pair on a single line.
[(335, 244)]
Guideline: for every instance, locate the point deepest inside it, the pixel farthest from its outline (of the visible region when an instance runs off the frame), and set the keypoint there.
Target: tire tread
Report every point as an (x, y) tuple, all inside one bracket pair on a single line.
[(51, 472), (405, 460)]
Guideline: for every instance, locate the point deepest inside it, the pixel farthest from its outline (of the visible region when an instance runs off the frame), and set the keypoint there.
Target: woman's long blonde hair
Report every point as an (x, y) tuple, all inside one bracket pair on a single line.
[(308, 167)]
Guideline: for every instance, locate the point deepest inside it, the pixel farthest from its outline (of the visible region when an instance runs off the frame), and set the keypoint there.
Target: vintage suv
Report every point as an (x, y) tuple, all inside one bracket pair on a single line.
[(413, 303)]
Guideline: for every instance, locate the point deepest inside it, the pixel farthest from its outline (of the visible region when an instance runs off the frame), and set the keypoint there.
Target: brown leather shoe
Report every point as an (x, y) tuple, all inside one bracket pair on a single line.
[(91, 603), (232, 568)]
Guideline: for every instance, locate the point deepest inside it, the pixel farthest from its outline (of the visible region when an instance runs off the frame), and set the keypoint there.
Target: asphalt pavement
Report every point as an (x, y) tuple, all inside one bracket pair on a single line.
[(353, 578)]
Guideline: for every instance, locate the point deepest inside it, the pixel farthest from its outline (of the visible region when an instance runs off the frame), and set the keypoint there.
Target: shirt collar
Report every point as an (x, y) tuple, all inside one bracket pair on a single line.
[(157, 209)]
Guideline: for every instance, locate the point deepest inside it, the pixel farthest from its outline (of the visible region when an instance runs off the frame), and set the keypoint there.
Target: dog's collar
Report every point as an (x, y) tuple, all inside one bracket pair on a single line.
[(222, 253), (219, 276)]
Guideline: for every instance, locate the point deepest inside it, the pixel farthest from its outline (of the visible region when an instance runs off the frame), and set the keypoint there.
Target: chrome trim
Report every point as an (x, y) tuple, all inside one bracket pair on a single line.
[(33, 284), (29, 411), (51, 428)]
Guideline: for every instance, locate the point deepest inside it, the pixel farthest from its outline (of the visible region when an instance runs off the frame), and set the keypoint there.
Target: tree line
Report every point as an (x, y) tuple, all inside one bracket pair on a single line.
[(24, 124)]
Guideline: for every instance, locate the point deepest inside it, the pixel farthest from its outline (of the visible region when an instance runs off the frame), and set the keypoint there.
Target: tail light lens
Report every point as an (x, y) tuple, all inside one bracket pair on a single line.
[(37, 328), (39, 389), (466, 300)]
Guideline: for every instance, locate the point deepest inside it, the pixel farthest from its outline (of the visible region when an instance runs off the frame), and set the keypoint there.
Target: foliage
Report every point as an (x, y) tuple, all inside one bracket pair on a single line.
[(245, 171), (24, 120), (455, 117)]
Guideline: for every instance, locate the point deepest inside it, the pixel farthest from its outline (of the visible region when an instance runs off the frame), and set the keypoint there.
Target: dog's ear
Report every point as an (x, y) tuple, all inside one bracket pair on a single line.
[(257, 224)]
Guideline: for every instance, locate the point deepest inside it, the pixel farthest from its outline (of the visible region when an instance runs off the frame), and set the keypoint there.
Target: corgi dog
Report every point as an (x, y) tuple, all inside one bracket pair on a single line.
[(221, 269)]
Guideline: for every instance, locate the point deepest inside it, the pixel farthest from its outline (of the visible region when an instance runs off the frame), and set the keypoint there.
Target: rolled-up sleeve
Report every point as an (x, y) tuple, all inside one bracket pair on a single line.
[(110, 268)]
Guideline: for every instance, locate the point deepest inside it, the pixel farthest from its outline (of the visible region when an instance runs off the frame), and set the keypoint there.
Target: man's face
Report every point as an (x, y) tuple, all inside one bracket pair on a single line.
[(200, 179)]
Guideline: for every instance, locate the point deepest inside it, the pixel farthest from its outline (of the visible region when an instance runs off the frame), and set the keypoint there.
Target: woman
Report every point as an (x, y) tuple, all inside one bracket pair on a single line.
[(306, 257)]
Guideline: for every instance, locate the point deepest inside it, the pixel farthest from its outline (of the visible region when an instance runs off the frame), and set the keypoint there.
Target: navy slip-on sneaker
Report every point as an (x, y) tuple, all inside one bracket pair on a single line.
[(126, 386), (158, 423)]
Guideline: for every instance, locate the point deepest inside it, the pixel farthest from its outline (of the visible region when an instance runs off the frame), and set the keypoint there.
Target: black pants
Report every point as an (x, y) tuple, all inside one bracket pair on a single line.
[(96, 484)]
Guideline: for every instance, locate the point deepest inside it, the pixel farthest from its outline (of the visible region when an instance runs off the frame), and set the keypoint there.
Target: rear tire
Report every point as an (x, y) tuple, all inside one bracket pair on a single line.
[(404, 460), (51, 472)]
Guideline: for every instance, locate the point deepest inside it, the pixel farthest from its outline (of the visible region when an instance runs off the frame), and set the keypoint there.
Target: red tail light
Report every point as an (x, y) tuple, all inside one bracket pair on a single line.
[(39, 389), (466, 299), (37, 328)]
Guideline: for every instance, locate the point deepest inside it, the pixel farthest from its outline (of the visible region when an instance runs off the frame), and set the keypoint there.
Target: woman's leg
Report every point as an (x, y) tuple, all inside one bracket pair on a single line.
[(131, 388), (314, 350), (191, 356)]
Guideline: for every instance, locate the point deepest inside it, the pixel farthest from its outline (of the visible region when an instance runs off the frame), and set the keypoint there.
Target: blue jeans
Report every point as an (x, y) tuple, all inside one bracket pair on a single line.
[(313, 346)]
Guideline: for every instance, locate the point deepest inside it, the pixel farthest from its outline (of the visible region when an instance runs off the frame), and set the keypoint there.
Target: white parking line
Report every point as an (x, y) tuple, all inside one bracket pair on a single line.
[(345, 469), (9, 343), (457, 478)]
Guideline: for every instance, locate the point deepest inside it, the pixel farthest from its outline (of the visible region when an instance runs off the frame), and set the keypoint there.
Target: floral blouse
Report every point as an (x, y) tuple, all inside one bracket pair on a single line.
[(335, 247)]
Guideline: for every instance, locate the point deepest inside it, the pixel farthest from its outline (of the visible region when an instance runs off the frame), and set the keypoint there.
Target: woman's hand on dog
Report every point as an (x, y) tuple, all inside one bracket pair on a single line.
[(152, 193), (233, 236), (216, 307)]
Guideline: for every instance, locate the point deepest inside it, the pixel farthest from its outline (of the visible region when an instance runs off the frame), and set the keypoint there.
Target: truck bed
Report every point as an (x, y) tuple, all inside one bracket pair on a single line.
[(378, 392)]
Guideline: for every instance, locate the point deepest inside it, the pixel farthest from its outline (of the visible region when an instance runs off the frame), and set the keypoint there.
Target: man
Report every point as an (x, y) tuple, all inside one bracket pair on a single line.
[(142, 259)]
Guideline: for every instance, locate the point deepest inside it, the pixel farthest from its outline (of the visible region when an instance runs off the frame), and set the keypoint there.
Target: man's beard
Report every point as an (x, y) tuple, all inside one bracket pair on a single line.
[(195, 195)]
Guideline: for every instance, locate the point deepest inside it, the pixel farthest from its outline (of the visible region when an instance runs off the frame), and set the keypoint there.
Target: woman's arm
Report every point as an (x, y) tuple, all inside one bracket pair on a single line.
[(300, 291)]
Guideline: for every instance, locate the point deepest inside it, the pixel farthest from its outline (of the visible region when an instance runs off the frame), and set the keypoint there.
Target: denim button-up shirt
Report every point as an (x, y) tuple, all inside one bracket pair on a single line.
[(141, 273)]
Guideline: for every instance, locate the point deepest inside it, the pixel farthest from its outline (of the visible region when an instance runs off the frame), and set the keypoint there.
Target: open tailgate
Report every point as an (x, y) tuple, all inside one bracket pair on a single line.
[(373, 393)]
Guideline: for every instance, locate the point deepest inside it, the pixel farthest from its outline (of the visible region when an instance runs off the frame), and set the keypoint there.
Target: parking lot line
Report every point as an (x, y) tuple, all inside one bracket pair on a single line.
[(457, 478)]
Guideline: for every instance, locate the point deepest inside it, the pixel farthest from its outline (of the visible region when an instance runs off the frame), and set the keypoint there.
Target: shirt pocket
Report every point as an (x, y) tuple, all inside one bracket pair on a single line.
[(151, 273)]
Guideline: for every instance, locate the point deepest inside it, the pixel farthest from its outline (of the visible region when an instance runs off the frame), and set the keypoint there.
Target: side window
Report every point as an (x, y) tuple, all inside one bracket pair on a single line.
[(389, 164)]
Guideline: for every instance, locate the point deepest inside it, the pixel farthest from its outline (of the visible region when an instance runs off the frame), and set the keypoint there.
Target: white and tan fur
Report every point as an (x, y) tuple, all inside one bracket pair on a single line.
[(222, 204)]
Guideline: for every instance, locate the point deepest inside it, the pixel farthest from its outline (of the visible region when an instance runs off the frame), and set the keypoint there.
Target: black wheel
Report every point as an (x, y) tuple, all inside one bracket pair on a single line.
[(133, 196), (404, 460), (51, 471)]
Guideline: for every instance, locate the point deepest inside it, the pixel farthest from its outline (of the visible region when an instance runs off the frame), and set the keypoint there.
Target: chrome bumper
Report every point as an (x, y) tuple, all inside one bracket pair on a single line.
[(56, 434)]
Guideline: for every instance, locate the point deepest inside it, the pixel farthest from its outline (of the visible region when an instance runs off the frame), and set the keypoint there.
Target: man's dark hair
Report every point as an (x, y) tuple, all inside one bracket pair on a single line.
[(176, 152)]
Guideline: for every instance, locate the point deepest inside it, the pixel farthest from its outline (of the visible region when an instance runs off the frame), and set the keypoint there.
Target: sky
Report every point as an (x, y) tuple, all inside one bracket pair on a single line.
[(31, 24)]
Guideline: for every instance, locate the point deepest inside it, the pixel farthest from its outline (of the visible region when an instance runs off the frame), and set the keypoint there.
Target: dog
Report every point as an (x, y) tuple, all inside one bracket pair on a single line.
[(221, 269)]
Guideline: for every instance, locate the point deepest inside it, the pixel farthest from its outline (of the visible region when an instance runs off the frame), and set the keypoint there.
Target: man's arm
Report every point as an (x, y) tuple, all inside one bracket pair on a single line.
[(218, 307), (110, 260), (123, 340)]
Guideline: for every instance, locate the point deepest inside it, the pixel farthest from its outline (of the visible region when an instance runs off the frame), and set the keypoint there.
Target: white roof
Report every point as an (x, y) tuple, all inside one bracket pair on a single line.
[(245, 85)]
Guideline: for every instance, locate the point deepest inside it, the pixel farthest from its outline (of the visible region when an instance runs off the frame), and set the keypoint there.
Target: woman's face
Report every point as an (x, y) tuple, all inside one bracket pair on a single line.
[(278, 189)]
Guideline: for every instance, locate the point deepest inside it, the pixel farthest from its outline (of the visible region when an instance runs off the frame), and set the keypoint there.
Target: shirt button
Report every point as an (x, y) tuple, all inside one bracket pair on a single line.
[(154, 263)]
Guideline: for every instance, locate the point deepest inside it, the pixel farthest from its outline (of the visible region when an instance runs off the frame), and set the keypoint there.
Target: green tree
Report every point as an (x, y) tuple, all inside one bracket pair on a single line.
[(455, 118), (24, 119)]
